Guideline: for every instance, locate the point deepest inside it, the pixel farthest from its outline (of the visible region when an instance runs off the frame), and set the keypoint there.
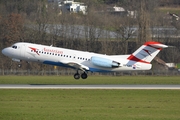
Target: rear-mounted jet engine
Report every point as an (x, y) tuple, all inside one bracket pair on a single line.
[(104, 62)]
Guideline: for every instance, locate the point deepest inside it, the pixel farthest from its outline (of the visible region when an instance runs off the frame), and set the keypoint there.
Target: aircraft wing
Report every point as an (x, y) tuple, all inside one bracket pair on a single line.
[(75, 65)]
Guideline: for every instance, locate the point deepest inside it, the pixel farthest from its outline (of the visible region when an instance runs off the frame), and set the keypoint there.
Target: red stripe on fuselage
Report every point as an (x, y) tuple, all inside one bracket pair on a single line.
[(133, 58)]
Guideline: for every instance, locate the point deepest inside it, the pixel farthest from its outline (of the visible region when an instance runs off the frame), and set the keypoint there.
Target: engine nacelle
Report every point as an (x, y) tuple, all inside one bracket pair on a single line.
[(104, 62)]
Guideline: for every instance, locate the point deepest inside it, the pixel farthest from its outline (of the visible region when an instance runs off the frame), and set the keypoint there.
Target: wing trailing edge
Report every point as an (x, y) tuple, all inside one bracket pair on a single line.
[(76, 65)]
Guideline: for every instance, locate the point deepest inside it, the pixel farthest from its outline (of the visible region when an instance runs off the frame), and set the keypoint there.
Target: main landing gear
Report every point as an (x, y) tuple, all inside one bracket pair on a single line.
[(83, 75)]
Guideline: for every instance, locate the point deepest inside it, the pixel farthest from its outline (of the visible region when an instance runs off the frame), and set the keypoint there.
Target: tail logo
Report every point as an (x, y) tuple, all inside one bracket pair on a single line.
[(147, 51)]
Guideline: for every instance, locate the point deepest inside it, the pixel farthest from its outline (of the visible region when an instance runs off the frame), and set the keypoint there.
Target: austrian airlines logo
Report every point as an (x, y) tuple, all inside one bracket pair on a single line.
[(34, 49), (147, 51)]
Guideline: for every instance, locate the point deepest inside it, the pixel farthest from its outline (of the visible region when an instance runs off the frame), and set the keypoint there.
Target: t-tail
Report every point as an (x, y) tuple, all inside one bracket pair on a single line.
[(147, 52)]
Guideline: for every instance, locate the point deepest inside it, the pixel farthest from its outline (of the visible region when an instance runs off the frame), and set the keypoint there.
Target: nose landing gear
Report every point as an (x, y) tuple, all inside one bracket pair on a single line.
[(19, 65)]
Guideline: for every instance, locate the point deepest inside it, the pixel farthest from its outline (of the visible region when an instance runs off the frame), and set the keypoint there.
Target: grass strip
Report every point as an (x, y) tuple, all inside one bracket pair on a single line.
[(89, 104), (67, 80)]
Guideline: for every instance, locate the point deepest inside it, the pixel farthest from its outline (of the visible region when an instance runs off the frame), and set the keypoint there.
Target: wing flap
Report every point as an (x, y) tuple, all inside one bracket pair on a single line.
[(76, 65)]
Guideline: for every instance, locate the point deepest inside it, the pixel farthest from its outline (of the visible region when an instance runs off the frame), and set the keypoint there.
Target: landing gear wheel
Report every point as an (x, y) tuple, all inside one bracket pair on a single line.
[(84, 75), (19, 65), (76, 76)]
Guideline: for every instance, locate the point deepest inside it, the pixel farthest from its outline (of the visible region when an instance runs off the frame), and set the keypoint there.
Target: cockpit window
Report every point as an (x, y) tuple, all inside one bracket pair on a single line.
[(14, 46)]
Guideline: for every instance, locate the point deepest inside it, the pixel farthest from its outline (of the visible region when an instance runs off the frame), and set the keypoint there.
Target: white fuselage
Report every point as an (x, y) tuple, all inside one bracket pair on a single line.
[(64, 57)]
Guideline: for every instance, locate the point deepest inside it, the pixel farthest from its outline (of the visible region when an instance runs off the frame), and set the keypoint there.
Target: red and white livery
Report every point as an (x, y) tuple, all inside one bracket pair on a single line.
[(85, 61)]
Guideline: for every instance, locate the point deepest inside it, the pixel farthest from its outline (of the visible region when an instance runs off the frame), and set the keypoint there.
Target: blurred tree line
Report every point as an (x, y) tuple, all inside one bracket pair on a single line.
[(29, 21)]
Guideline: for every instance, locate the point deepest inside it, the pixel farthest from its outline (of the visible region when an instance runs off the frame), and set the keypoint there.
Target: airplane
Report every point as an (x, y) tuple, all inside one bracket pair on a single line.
[(85, 61)]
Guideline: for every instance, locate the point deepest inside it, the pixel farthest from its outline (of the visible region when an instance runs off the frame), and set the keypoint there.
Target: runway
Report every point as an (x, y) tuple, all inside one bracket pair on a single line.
[(40, 86)]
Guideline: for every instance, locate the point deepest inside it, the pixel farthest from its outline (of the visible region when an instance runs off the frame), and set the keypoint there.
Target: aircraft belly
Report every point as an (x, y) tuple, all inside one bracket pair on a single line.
[(141, 66), (56, 64), (122, 68)]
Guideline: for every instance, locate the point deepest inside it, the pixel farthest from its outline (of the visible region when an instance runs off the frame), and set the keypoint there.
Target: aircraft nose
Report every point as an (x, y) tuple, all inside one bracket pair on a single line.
[(6, 51)]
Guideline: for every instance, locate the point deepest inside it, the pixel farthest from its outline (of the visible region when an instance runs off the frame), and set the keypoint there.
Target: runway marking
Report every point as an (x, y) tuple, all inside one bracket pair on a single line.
[(145, 87)]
